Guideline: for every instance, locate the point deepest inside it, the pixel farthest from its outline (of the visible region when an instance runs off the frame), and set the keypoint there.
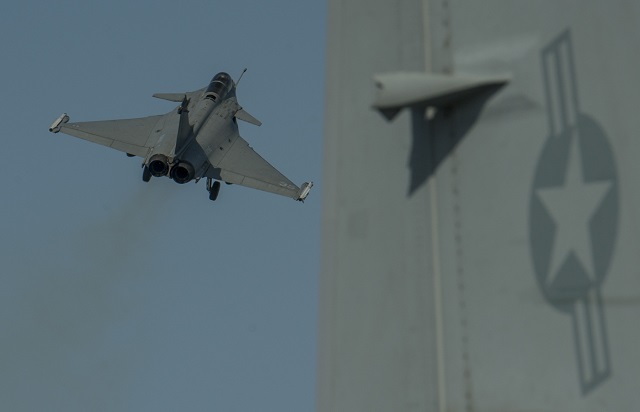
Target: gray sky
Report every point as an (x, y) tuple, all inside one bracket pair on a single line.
[(123, 296)]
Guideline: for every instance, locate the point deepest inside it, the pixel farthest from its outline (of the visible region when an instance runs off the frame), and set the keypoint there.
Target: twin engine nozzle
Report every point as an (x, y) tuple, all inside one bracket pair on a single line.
[(158, 165), (182, 172)]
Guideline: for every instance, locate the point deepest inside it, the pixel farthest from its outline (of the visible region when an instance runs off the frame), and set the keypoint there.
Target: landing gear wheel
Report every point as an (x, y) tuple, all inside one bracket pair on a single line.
[(214, 189), (146, 174)]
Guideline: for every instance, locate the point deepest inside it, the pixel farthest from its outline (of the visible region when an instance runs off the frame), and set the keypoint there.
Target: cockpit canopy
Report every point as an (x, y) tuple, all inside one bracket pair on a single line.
[(220, 85)]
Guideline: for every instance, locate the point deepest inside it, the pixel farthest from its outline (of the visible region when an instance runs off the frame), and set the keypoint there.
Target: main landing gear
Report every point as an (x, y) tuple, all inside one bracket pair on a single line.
[(146, 174), (213, 188)]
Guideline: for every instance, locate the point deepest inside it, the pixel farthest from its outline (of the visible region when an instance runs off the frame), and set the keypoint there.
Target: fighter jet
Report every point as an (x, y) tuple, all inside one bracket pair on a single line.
[(197, 139)]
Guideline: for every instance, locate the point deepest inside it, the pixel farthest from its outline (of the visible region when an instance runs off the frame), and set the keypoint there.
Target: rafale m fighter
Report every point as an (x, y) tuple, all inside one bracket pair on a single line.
[(198, 139)]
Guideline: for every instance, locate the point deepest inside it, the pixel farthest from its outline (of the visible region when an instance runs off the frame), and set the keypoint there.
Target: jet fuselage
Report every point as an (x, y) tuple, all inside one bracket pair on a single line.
[(206, 128)]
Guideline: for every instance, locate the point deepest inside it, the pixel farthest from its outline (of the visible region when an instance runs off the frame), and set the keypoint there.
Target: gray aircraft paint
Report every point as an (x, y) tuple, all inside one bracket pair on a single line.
[(454, 277)]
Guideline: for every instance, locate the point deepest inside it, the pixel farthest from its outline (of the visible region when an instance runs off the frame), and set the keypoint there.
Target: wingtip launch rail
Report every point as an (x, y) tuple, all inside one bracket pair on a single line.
[(57, 124), (304, 191)]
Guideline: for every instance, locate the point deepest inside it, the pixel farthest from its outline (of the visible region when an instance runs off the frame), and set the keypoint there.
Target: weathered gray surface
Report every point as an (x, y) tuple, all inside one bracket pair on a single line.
[(486, 259), (375, 352)]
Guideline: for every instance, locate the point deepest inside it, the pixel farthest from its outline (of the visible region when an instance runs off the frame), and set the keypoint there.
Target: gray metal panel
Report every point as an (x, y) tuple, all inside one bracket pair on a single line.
[(127, 135), (440, 284), (377, 349), (240, 164), (546, 304)]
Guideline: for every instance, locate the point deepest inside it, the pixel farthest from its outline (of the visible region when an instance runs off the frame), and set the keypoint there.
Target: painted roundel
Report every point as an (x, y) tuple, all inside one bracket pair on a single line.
[(574, 213)]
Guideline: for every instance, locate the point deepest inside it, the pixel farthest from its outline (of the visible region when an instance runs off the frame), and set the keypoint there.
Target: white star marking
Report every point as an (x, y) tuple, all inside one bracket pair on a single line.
[(572, 207)]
